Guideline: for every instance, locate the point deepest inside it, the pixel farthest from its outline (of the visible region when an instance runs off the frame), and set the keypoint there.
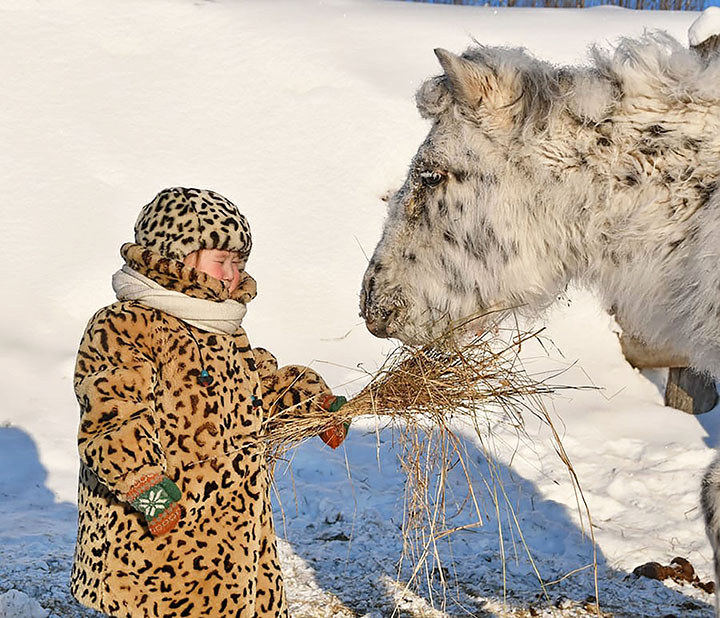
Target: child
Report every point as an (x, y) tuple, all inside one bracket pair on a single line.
[(174, 510)]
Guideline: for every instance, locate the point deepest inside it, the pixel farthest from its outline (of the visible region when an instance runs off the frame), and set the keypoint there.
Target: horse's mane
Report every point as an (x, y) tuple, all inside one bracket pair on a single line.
[(654, 66)]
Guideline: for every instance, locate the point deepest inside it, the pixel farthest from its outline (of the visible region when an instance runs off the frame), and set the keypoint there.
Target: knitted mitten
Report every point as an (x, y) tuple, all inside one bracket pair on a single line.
[(334, 436), (156, 497)]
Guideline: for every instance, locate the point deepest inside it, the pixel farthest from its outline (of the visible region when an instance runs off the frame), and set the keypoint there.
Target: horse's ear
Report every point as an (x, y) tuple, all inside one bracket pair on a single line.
[(469, 83)]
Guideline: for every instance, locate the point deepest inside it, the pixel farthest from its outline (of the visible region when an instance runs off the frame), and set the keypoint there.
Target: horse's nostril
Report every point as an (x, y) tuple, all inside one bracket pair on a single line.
[(366, 296), (376, 309), (369, 290)]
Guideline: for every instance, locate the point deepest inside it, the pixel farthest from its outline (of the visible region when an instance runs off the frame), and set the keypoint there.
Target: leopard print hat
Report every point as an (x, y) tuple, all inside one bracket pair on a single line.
[(181, 220)]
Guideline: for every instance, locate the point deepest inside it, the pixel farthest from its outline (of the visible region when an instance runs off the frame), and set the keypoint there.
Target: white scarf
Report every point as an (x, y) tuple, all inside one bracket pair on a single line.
[(223, 318)]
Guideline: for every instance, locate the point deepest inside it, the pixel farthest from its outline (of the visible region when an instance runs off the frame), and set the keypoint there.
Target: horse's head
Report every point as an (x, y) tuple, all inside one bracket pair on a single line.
[(465, 233)]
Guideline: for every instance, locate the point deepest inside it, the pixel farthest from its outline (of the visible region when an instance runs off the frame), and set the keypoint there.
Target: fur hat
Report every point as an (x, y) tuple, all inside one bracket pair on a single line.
[(181, 220)]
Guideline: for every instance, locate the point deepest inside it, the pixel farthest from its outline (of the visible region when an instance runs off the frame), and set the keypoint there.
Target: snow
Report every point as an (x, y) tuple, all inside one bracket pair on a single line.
[(302, 113), (15, 603)]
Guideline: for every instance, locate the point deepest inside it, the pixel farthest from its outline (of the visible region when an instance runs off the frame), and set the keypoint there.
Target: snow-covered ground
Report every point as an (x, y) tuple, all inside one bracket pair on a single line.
[(302, 113)]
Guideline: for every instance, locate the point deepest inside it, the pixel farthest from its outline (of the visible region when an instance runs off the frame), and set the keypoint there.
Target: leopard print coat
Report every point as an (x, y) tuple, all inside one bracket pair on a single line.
[(143, 411)]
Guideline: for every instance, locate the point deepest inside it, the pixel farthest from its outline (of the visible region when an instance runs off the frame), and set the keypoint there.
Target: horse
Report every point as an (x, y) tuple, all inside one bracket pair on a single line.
[(535, 176)]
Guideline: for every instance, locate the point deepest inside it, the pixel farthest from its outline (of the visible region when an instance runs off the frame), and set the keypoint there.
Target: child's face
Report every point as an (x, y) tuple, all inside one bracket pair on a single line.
[(223, 265)]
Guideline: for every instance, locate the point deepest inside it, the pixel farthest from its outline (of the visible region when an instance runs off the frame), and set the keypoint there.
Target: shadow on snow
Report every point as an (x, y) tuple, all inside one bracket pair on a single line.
[(342, 513), (37, 534)]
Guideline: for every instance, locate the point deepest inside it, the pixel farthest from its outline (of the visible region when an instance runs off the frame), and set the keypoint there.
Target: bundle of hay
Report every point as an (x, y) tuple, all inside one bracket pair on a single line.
[(427, 385), (425, 394)]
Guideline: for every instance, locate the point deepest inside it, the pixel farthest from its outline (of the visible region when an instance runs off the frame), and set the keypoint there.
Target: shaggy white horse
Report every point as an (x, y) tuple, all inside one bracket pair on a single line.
[(534, 176)]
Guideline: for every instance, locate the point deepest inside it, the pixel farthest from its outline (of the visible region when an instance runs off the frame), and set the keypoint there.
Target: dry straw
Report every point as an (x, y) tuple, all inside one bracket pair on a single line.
[(429, 385), (433, 397)]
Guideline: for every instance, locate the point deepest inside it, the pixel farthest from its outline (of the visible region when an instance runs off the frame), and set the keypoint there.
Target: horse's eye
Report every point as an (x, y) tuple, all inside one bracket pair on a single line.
[(432, 178)]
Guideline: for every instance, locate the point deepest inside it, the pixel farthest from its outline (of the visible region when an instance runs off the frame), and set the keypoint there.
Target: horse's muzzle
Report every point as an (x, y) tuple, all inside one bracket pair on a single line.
[(377, 318)]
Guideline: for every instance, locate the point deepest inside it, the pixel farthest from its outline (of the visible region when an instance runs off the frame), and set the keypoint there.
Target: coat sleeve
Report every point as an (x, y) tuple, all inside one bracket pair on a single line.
[(292, 388), (114, 384)]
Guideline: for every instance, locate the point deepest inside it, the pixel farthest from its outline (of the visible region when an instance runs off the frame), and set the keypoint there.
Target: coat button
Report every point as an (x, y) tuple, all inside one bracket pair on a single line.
[(205, 379)]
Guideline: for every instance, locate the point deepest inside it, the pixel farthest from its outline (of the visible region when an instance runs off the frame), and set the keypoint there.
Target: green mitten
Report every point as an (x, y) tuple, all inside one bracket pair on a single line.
[(337, 403), (156, 497)]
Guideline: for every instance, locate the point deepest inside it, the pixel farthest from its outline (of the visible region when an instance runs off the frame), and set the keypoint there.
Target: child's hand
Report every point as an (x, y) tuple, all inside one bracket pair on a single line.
[(156, 497), (335, 435)]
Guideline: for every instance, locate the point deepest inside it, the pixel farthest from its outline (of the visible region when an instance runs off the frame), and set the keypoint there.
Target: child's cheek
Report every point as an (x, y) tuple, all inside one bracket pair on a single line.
[(215, 271)]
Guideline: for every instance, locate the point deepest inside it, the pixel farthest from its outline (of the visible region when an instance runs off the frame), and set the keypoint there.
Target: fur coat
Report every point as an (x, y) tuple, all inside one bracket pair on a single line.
[(143, 411)]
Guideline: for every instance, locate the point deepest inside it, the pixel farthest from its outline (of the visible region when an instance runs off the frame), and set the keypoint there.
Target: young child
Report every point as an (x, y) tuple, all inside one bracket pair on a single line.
[(174, 510)]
